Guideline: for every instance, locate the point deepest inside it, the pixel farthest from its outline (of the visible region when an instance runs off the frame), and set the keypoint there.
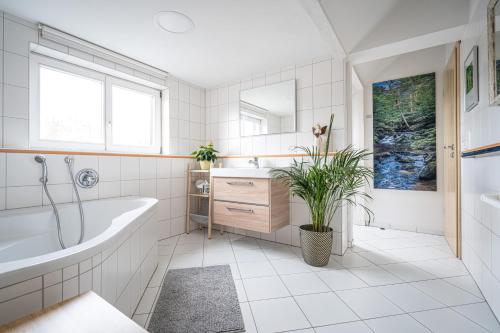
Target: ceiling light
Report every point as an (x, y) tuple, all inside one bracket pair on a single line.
[(174, 22)]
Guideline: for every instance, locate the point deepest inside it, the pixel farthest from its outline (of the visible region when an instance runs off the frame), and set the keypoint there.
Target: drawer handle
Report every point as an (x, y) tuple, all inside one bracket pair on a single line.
[(240, 183), (242, 210)]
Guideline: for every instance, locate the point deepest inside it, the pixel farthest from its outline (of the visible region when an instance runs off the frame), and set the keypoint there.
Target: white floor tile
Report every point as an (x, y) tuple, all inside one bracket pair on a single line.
[(332, 264), (186, 260), (375, 276), (325, 309), (352, 260), (396, 324), (341, 279), (466, 283), (446, 321), (446, 293), (290, 266), (380, 257), (249, 256), (248, 318), (240, 290), (218, 257), (276, 315), (408, 272), (408, 298), (147, 300), (368, 303), (304, 283), (354, 327), (264, 288), (443, 268), (481, 314), (274, 253), (255, 269), (189, 248)]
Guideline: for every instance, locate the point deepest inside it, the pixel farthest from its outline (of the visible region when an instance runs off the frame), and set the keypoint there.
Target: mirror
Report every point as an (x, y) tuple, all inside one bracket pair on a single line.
[(494, 50), (268, 110)]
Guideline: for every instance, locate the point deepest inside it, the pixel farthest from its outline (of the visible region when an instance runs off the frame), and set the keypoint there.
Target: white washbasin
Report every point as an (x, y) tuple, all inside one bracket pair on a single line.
[(241, 172)]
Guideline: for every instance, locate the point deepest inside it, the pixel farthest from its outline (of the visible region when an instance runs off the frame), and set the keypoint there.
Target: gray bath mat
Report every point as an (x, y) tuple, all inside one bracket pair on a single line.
[(198, 299)]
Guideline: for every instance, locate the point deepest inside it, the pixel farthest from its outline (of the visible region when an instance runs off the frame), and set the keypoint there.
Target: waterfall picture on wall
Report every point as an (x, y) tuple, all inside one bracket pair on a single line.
[(404, 133)]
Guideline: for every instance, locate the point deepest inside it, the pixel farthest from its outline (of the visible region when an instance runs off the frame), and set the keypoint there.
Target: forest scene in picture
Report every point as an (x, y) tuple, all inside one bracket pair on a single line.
[(404, 133)]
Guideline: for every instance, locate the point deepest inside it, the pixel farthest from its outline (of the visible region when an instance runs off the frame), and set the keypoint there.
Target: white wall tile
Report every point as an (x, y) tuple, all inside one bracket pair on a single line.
[(60, 193), (16, 69), (148, 187), (17, 37), (130, 168), (19, 289), (109, 189), (23, 196), (20, 307), (15, 133), (322, 72), (322, 96), (147, 168), (109, 168), (23, 170), (52, 295), (70, 288), (15, 102), (303, 75)]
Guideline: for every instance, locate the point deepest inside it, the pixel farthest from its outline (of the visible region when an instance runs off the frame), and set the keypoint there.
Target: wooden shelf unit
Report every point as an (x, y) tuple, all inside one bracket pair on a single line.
[(203, 201)]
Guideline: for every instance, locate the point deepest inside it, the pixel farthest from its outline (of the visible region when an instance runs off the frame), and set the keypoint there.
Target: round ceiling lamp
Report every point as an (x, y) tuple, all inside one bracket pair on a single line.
[(174, 22)]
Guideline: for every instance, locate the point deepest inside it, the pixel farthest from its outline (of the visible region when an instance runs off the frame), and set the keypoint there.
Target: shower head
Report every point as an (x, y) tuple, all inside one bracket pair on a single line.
[(40, 159), (43, 161)]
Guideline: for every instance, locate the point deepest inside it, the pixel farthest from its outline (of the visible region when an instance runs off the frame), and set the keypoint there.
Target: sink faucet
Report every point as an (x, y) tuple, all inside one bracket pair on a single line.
[(255, 162)]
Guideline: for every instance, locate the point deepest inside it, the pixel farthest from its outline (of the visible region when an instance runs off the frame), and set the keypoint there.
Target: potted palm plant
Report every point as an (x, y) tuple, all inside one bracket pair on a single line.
[(205, 155), (325, 183)]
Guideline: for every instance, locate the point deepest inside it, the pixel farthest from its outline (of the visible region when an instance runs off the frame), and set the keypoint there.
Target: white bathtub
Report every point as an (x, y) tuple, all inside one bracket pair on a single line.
[(116, 258)]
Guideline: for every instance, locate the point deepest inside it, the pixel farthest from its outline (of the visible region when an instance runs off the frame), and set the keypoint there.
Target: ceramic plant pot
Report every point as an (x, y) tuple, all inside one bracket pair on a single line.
[(316, 246), (205, 165)]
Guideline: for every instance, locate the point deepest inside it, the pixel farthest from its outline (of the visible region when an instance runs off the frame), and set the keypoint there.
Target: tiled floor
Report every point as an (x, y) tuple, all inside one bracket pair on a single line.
[(390, 281)]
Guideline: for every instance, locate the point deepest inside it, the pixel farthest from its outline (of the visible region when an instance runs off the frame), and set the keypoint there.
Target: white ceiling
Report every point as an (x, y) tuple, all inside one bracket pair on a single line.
[(365, 24), (233, 39), (419, 62), (236, 39)]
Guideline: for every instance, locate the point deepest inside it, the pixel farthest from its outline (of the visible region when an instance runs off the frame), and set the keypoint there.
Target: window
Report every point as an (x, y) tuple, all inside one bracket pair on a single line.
[(73, 107)]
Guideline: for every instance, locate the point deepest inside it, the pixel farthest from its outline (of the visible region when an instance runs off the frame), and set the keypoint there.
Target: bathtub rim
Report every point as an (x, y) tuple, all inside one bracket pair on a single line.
[(122, 226)]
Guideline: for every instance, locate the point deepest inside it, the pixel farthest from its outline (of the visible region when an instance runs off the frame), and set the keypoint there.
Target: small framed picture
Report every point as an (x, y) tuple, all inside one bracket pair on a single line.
[(471, 80)]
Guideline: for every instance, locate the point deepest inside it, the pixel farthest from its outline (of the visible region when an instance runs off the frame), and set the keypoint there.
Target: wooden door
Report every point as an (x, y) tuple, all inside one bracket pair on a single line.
[(451, 105)]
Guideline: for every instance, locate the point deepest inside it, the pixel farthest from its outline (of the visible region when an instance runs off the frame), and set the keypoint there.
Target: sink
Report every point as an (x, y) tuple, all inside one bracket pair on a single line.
[(241, 172)]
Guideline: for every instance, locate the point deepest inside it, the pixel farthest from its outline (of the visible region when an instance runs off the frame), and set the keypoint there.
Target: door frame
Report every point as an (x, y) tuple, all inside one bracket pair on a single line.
[(457, 142)]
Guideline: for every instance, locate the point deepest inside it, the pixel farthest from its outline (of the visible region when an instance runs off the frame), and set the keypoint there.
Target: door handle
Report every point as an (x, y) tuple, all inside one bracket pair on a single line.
[(242, 210), (240, 183)]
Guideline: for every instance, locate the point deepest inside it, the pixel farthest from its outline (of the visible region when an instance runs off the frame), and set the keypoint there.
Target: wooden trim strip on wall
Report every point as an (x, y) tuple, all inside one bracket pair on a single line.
[(487, 150), (93, 153)]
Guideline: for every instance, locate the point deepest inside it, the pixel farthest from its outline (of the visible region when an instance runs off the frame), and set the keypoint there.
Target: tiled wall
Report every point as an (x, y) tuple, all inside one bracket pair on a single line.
[(480, 222), (320, 92), (156, 177), (186, 102)]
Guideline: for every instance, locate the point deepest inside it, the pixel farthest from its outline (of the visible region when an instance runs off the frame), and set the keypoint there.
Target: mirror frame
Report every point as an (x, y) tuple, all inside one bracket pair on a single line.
[(494, 97)]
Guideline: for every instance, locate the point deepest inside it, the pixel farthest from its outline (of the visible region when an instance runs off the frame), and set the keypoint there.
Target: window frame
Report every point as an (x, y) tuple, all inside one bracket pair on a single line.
[(34, 104), (36, 61), (156, 126)]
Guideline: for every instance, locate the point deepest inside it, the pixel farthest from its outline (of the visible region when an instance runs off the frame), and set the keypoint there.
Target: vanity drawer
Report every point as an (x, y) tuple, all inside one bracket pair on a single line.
[(247, 190), (249, 217)]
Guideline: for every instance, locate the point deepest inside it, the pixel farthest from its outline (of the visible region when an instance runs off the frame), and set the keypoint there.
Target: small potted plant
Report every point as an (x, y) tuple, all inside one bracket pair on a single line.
[(205, 155), (325, 183)]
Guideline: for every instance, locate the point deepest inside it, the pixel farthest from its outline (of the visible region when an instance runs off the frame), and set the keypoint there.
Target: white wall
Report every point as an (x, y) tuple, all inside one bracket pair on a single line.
[(420, 211), (320, 92), (480, 126)]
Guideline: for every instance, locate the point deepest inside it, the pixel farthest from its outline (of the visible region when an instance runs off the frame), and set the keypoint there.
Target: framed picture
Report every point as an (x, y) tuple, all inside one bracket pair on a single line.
[(404, 133), (471, 80)]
